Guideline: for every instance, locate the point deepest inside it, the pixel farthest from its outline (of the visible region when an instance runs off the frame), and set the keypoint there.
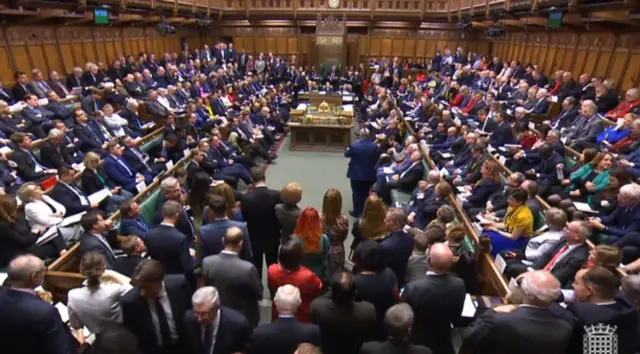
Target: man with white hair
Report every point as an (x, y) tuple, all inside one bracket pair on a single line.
[(622, 226), (30, 325), (630, 103), (54, 153), (540, 105), (286, 333), (586, 128), (527, 329), (398, 322), (212, 328)]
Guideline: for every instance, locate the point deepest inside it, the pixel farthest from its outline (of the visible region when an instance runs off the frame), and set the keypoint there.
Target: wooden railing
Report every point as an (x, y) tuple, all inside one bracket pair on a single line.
[(494, 283)]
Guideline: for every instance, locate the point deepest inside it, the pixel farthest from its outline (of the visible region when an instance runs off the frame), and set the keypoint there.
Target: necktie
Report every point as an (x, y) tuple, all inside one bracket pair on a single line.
[(79, 194), (141, 158), (36, 161), (26, 89), (556, 258), (165, 332), (207, 339), (142, 225)]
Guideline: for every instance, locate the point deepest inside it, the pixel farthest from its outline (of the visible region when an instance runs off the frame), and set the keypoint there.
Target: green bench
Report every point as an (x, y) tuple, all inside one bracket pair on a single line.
[(148, 206)]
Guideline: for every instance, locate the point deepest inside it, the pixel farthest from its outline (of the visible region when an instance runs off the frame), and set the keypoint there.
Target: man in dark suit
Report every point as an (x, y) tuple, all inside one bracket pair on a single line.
[(597, 304), (75, 78), (154, 309), (407, 181), (437, 300), (140, 162), (258, 210), (29, 325), (211, 235), (564, 259), (28, 167), (364, 155), (54, 153), (398, 322), (67, 193), (21, 88), (6, 95), (130, 113), (284, 334), (344, 324), (567, 115), (132, 222), (87, 139), (503, 134), (96, 237), (60, 110), (92, 102), (528, 329), (155, 108), (57, 85), (213, 329), (237, 280), (398, 245), (168, 245)]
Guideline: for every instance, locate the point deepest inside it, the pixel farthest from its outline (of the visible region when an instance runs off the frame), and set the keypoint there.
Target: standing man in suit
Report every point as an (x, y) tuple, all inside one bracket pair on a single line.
[(344, 324), (528, 329), (171, 190), (168, 245), (237, 280), (258, 210), (212, 235), (397, 247), (398, 322), (29, 325), (154, 308), (214, 329), (364, 155), (437, 300), (94, 240), (284, 334), (29, 168)]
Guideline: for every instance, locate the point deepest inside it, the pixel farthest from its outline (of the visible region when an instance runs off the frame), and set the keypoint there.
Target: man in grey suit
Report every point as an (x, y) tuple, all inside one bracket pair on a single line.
[(586, 128), (212, 235), (156, 108), (237, 280)]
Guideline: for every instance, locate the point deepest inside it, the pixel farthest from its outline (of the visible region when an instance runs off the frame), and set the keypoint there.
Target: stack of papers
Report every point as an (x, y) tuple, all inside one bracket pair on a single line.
[(302, 107), (99, 196), (149, 125), (469, 308), (347, 98), (347, 107), (584, 207), (500, 264)]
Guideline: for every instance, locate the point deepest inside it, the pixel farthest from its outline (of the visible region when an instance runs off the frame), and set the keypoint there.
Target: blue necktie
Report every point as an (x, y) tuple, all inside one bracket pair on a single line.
[(142, 225)]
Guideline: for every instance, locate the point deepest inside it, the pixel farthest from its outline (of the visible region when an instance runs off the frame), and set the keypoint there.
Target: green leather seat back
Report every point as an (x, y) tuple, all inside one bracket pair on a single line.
[(36, 153), (539, 220), (148, 206)]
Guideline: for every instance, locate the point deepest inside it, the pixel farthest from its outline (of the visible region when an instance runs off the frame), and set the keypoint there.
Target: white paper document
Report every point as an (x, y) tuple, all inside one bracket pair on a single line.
[(469, 309), (446, 155), (387, 170), (500, 264), (48, 235), (73, 219), (347, 107), (347, 98), (149, 125), (99, 196), (186, 152), (141, 186), (302, 107), (3, 277), (169, 164), (63, 311), (444, 172), (584, 207)]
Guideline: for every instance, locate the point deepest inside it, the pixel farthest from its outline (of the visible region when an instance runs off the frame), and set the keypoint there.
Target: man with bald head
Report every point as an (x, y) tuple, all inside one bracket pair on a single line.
[(29, 325), (530, 328), (437, 301)]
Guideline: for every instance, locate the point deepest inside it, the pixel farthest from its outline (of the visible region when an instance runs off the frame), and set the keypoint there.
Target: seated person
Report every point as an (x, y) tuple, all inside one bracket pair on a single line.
[(586, 128), (471, 172), (583, 184), (488, 184), (94, 179), (556, 221), (610, 136), (606, 201), (425, 209), (563, 260), (28, 166), (631, 102), (67, 193), (503, 134), (407, 180), (517, 227), (118, 170)]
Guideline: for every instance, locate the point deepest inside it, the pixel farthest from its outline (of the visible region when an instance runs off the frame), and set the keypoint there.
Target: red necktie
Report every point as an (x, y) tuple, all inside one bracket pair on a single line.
[(556, 258)]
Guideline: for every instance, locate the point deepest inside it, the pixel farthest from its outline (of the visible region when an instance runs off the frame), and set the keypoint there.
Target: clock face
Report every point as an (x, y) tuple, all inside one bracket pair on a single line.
[(334, 4)]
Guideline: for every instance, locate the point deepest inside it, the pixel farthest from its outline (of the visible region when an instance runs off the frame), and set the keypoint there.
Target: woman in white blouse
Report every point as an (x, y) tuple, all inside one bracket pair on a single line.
[(114, 121), (42, 212), (96, 306)]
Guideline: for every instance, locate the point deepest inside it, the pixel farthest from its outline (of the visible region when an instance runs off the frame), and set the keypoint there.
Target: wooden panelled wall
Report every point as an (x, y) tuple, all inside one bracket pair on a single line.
[(389, 43), (63, 48), (604, 54)]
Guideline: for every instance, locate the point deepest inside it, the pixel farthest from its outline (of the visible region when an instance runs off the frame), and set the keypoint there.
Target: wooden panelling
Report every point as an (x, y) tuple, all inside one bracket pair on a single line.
[(604, 54), (63, 48)]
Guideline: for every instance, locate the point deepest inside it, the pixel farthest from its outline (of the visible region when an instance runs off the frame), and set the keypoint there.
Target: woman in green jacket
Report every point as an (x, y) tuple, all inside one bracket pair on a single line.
[(590, 179)]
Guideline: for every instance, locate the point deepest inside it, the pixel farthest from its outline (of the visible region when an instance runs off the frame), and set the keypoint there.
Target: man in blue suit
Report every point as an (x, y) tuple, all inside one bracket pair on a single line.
[(30, 325), (118, 170), (211, 235), (364, 155), (132, 222)]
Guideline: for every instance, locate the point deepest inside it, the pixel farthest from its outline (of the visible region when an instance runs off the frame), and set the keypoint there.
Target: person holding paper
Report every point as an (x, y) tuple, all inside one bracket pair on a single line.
[(18, 237), (42, 212), (67, 193), (94, 180)]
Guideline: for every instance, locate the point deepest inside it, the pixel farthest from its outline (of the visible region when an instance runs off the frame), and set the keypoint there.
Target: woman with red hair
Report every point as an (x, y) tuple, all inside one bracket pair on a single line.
[(315, 244)]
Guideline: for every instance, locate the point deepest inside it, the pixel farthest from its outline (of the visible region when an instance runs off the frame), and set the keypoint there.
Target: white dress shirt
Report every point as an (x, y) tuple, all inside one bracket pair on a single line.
[(96, 309), (166, 306)]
